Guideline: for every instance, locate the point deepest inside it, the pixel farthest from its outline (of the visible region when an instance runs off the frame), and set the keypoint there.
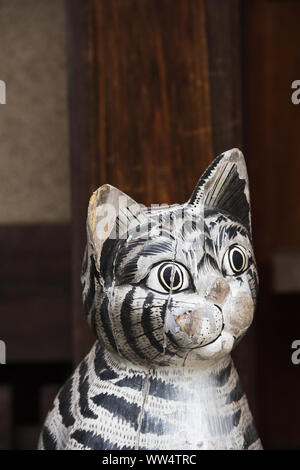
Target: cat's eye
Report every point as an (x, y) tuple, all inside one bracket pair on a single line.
[(168, 276), (235, 260)]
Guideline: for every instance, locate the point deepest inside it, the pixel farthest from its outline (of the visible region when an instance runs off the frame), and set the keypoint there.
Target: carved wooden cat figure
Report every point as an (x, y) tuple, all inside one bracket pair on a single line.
[(168, 291)]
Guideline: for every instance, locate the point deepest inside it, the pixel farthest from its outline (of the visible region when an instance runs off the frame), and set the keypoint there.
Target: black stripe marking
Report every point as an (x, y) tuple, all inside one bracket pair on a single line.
[(157, 426), (209, 244), (94, 276), (136, 382), (93, 321), (119, 407), (85, 261), (171, 339), (108, 253), (94, 441), (127, 248), (126, 314), (161, 389), (253, 282), (194, 200), (102, 369), (128, 272), (208, 261), (83, 389), (223, 376), (233, 230), (107, 323), (221, 219), (148, 327), (156, 248), (250, 436), (236, 394), (65, 401), (221, 236), (49, 441)]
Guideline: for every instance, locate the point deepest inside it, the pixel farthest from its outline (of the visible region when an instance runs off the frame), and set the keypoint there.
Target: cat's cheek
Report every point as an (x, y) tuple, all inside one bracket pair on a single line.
[(223, 345), (238, 313)]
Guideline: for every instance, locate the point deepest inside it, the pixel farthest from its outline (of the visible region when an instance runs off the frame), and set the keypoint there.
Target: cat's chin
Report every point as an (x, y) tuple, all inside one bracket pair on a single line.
[(222, 346)]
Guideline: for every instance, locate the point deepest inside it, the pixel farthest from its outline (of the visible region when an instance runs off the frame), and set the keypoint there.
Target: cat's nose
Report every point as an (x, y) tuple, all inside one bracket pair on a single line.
[(197, 327)]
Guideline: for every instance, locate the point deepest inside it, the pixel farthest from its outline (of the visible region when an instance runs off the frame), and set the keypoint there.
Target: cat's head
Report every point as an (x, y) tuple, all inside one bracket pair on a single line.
[(164, 282)]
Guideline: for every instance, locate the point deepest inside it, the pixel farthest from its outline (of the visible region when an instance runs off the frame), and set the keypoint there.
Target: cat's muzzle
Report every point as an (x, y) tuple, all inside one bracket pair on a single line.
[(196, 327)]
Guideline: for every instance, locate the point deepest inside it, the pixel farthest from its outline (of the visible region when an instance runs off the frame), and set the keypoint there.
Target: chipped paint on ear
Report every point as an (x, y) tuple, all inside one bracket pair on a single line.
[(110, 215), (96, 201)]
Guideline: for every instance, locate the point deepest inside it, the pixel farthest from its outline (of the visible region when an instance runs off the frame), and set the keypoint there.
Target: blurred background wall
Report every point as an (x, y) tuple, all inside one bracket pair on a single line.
[(35, 176), (35, 215), (141, 94)]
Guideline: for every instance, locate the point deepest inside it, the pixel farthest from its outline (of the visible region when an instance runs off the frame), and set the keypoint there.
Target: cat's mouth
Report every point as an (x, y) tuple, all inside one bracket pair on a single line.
[(198, 327)]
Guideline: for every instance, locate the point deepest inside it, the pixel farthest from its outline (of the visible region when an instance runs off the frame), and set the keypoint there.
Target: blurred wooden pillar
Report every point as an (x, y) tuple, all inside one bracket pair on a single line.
[(83, 148), (225, 42), (273, 63), (155, 94)]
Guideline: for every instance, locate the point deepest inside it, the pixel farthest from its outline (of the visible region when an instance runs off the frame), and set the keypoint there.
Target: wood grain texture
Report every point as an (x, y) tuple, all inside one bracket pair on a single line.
[(274, 122), (83, 149), (154, 122), (273, 63), (225, 42)]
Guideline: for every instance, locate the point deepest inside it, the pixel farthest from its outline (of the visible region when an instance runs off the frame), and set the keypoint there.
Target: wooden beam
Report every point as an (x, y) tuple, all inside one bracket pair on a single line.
[(35, 289)]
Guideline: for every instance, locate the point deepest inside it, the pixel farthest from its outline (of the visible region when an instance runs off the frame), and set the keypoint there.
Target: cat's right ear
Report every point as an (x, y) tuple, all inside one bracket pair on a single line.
[(110, 213), (225, 186)]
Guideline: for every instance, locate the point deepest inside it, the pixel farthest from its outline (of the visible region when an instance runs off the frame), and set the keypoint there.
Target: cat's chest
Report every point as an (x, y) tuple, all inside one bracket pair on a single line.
[(119, 408)]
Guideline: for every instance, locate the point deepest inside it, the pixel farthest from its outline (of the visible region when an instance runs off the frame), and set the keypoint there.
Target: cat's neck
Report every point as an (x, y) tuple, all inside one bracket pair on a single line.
[(190, 366)]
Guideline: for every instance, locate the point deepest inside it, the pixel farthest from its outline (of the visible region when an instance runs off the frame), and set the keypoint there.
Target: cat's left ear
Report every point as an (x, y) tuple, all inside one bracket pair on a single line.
[(225, 186), (111, 213)]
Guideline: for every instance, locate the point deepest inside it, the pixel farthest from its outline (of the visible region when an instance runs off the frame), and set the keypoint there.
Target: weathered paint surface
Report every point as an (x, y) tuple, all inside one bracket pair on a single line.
[(168, 291)]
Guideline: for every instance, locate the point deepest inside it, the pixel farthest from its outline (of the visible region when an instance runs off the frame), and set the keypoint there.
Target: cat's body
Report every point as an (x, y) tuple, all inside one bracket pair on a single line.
[(112, 404), (168, 292)]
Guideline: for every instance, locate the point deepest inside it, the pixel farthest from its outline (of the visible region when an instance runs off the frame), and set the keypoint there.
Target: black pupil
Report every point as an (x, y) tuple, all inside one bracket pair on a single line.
[(167, 277), (237, 260)]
